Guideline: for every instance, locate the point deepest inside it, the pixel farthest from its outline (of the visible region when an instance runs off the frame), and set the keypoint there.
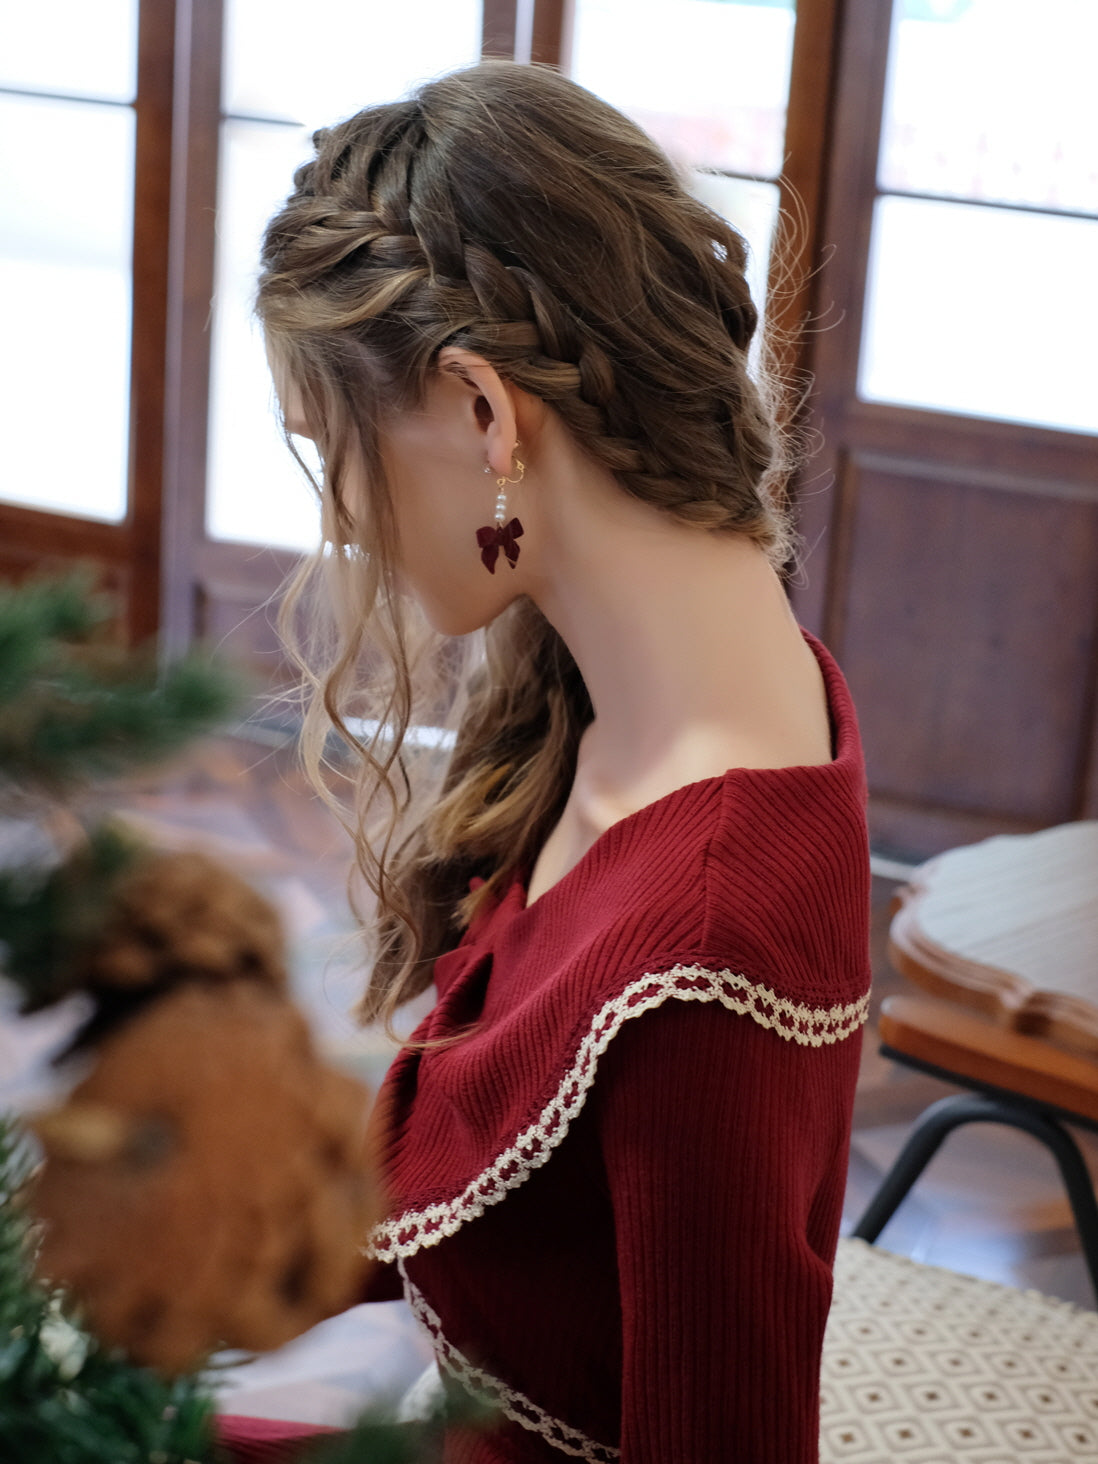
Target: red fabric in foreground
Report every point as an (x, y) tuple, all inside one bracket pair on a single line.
[(266, 1440)]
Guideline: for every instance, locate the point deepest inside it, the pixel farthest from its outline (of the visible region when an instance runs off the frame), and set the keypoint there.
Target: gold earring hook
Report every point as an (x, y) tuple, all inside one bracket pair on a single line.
[(520, 469)]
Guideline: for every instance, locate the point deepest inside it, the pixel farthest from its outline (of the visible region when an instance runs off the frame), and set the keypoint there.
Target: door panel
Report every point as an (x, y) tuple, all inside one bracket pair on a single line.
[(952, 561), (951, 603)]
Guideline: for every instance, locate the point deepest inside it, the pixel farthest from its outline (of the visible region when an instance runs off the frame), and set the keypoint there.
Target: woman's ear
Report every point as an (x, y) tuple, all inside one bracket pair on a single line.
[(494, 405)]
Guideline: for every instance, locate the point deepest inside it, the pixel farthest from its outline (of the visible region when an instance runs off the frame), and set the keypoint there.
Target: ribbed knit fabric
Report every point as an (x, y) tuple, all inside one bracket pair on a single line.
[(615, 1200), (267, 1440)]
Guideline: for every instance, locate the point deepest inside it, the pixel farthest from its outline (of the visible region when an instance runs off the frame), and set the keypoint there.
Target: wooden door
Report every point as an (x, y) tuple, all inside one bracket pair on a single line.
[(81, 479), (952, 559)]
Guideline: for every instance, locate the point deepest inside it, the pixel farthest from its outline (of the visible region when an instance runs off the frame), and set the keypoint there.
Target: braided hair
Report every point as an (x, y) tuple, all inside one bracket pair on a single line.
[(505, 210)]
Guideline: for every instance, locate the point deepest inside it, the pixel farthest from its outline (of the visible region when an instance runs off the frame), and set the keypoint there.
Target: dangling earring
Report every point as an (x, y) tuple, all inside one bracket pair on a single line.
[(500, 534)]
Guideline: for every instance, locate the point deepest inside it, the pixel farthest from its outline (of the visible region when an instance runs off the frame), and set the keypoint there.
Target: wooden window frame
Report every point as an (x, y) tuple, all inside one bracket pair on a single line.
[(126, 555)]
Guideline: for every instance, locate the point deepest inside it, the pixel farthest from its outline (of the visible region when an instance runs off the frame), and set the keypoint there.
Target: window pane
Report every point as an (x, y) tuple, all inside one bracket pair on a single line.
[(70, 46), (994, 99), (708, 79), (256, 492), (317, 63), (982, 311), (65, 293), (313, 66)]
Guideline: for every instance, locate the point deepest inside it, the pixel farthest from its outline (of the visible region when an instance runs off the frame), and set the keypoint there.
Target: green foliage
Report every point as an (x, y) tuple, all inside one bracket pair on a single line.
[(380, 1441), (48, 917), (21, 1305), (63, 1398), (74, 706), (37, 614)]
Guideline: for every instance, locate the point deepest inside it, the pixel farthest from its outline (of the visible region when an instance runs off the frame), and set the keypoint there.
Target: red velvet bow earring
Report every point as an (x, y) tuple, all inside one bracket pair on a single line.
[(500, 534)]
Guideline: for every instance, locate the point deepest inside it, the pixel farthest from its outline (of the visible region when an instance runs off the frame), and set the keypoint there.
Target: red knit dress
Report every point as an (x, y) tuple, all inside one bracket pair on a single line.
[(615, 1200)]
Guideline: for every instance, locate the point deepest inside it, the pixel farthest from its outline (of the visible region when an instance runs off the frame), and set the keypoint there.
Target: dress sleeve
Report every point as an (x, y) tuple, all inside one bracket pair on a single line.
[(725, 1151)]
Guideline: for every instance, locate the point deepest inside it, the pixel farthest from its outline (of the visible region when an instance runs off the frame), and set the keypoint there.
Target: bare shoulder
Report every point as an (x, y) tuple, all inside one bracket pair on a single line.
[(756, 704), (778, 718), (787, 722)]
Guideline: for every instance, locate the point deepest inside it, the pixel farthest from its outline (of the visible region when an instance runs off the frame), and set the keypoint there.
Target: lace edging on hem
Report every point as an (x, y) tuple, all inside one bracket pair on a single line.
[(793, 1021), (515, 1405)]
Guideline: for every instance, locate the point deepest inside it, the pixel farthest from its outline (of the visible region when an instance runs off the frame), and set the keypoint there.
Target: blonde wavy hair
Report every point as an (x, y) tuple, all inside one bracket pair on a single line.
[(508, 211)]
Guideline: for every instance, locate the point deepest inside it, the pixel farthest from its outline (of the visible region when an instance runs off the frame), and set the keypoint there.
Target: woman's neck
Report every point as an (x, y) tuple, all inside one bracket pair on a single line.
[(686, 643), (685, 640)]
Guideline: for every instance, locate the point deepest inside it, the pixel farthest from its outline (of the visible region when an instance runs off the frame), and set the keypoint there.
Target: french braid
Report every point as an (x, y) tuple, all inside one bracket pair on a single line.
[(505, 210)]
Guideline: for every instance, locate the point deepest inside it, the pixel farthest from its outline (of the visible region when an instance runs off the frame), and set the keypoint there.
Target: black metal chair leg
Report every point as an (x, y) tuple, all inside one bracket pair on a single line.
[(924, 1141), (1073, 1171), (941, 1118)]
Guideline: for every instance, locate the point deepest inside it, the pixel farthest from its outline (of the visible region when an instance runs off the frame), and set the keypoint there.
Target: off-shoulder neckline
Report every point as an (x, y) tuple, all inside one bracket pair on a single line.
[(845, 743)]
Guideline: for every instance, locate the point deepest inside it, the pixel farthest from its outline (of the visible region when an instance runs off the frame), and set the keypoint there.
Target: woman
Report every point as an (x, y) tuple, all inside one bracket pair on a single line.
[(616, 1149)]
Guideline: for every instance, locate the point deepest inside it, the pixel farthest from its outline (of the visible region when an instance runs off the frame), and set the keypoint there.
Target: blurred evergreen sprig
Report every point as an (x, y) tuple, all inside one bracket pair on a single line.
[(75, 706), (50, 916), (377, 1439), (63, 1398)]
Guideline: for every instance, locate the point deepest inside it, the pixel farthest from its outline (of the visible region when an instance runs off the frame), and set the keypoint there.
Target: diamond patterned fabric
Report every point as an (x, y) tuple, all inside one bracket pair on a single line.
[(923, 1366)]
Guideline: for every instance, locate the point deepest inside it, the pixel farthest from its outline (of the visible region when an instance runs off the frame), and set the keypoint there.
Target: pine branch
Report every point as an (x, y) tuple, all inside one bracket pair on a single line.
[(66, 1400), (49, 917), (36, 614), (75, 707), (63, 1399)]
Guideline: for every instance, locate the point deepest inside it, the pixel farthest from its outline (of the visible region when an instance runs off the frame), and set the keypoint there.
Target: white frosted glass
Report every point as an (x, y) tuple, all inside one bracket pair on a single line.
[(319, 62), (83, 47), (312, 65), (64, 387), (994, 100), (982, 311), (706, 78), (81, 213), (65, 300), (256, 493)]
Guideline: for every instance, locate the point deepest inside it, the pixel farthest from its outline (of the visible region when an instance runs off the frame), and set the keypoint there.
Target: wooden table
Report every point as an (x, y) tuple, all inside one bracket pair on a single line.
[(1004, 936)]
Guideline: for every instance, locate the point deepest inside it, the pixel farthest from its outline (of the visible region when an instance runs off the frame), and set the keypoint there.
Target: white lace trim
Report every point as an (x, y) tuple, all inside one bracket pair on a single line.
[(810, 1026), (514, 1404)]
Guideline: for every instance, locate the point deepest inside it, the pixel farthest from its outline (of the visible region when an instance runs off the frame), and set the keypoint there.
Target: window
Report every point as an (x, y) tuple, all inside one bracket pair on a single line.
[(982, 295), (283, 78), (675, 67), (68, 83)]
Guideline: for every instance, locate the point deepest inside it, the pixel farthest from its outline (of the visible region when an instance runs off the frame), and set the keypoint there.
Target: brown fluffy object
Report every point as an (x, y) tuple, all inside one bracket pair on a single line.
[(208, 1184), (181, 916)]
